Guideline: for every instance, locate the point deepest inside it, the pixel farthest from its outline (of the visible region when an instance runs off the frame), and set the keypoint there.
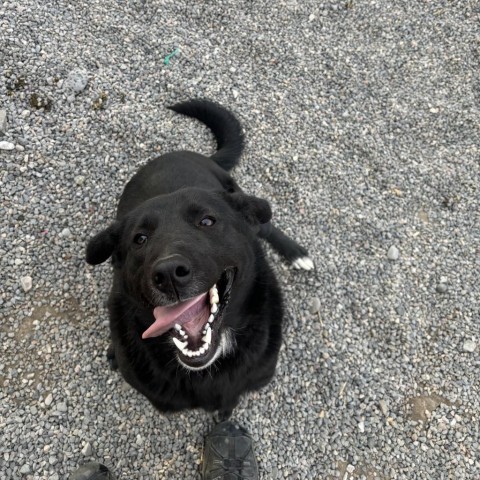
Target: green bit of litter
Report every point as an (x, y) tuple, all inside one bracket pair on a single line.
[(169, 56)]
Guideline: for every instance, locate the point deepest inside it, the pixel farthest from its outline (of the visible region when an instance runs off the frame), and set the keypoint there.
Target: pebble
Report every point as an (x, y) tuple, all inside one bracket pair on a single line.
[(383, 407), (66, 233), (4, 145), (62, 407), (442, 288), (314, 305), (80, 180), (25, 469), (77, 80), (26, 283), (3, 122), (469, 346), (87, 449), (393, 253), (48, 400)]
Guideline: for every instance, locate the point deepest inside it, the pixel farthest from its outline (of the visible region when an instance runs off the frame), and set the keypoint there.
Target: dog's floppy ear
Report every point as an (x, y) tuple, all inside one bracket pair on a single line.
[(255, 210), (101, 246)]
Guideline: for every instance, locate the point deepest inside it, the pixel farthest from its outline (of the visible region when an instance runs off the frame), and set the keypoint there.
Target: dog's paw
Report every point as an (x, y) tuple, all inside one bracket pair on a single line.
[(222, 415), (303, 263)]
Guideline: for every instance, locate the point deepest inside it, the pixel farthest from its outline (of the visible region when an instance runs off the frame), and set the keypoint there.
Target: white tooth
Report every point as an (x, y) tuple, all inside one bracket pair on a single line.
[(214, 308), (178, 328), (211, 318), (208, 337), (214, 295), (188, 353), (180, 345), (202, 350)]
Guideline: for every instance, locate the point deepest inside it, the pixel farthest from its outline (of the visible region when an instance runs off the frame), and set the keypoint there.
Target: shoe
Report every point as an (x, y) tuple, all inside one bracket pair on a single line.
[(92, 471), (228, 454)]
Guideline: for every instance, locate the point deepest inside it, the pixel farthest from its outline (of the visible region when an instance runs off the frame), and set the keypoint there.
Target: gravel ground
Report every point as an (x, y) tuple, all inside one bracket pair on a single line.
[(362, 124)]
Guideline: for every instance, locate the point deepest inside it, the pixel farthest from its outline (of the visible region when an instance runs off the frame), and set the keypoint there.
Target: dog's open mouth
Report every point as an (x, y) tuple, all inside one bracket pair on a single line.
[(195, 324)]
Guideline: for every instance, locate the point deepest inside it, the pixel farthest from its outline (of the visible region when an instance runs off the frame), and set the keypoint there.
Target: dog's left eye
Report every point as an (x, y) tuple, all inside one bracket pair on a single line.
[(140, 238), (207, 221)]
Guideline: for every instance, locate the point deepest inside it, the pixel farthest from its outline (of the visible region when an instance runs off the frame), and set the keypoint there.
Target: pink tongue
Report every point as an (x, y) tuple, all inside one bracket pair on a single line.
[(167, 317)]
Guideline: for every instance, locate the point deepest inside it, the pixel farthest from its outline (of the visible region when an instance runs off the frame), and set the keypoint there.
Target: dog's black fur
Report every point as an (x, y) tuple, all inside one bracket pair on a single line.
[(183, 222)]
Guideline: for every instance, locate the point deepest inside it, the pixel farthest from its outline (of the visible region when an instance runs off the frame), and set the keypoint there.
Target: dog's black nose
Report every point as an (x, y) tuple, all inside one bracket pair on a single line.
[(175, 271)]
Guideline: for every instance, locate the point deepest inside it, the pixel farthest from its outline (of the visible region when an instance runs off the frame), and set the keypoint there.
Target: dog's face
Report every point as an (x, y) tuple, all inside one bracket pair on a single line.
[(182, 255)]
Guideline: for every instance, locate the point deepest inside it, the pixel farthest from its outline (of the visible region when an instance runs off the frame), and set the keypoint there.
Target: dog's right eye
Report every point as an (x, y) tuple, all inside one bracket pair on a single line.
[(207, 221), (140, 238)]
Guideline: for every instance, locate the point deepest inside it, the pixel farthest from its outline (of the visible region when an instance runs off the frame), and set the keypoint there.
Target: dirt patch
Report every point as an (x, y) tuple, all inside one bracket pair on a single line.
[(423, 405), (359, 471), (27, 326)]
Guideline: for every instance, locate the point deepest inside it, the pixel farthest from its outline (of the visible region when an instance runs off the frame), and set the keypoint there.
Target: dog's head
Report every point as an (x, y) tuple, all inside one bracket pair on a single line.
[(185, 256)]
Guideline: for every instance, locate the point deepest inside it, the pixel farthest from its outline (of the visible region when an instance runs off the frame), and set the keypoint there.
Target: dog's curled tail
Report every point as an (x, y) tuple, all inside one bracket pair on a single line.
[(224, 125)]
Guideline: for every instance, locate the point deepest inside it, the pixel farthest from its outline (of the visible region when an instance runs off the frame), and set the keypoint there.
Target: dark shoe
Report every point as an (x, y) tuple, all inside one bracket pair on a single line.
[(92, 471), (228, 454)]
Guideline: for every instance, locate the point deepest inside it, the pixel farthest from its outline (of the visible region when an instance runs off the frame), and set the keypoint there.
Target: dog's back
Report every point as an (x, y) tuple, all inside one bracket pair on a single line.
[(182, 169)]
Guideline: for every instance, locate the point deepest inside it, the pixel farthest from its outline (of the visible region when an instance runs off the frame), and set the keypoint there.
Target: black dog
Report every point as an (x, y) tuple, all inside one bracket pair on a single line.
[(195, 310)]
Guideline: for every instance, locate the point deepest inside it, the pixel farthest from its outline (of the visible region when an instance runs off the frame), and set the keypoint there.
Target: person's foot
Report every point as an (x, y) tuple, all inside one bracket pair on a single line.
[(228, 454), (92, 471)]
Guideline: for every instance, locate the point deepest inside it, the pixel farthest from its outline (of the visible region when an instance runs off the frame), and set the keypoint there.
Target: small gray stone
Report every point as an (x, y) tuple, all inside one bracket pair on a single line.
[(314, 305), (350, 468), (383, 407), (77, 80), (80, 180), (87, 450), (393, 253), (66, 233), (442, 288), (26, 283), (469, 346), (48, 400), (62, 407), (25, 469), (6, 145), (3, 122)]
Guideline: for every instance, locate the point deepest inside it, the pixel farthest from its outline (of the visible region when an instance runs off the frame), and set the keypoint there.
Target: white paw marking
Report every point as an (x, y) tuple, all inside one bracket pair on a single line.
[(303, 263)]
